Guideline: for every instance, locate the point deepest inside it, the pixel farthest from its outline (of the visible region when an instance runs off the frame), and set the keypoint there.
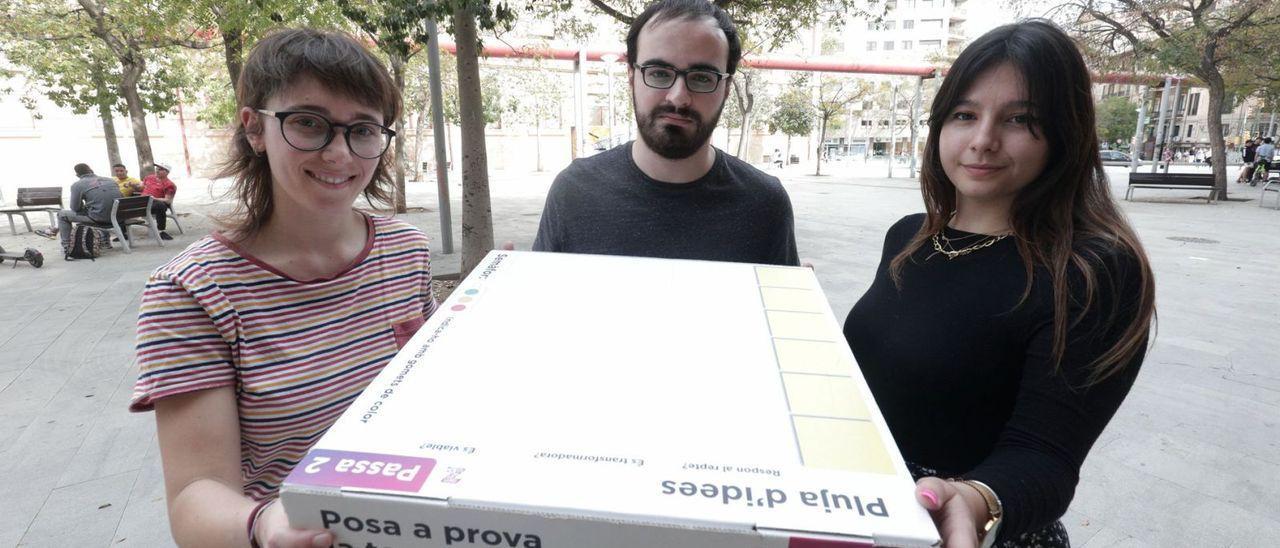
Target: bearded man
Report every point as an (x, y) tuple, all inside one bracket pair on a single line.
[(671, 194)]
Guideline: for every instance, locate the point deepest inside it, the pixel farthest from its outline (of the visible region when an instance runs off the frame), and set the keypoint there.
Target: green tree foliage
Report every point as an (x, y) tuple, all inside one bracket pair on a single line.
[(1117, 119), (792, 114), (74, 39), (833, 99)]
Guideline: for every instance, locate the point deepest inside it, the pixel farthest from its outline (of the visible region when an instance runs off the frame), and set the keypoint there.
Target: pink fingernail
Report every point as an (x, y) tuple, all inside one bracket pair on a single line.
[(933, 499)]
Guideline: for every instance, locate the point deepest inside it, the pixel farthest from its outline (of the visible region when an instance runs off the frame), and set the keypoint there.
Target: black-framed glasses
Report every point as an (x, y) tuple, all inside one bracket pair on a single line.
[(695, 80), (308, 131)]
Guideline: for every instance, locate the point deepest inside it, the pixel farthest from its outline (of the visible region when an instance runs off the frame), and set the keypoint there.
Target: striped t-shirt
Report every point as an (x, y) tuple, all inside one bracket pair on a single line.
[(297, 352)]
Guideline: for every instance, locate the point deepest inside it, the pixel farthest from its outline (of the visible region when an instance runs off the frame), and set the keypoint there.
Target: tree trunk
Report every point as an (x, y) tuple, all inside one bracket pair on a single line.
[(477, 214), (105, 114), (233, 54), (537, 139), (419, 127), (747, 101), (1217, 144), (397, 72), (822, 138), (137, 116)]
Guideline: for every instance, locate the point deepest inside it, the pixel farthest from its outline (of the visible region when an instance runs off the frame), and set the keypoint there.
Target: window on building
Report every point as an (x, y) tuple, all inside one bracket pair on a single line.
[(884, 123), (906, 44), (926, 4), (1193, 106), (871, 46), (1189, 130), (1176, 130), (888, 45), (908, 24), (866, 123), (890, 25), (931, 44), (930, 23), (1226, 130)]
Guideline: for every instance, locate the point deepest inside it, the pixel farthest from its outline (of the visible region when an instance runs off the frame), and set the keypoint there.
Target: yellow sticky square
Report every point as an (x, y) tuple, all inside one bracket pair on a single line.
[(801, 325), (776, 276), (795, 300), (823, 396), (842, 445), (824, 358)]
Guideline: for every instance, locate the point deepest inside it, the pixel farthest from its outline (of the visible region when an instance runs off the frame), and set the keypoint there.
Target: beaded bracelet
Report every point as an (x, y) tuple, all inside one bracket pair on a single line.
[(253, 521)]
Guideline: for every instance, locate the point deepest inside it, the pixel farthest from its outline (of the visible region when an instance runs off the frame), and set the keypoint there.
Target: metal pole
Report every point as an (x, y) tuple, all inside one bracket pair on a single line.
[(1173, 119), (893, 123), (438, 129), (608, 70), (579, 100), (1157, 152), (182, 127), (915, 124), (1137, 132), (1271, 125)]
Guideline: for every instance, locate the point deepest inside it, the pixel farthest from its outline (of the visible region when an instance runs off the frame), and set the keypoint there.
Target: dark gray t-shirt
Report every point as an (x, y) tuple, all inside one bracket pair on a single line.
[(605, 205), (93, 196)]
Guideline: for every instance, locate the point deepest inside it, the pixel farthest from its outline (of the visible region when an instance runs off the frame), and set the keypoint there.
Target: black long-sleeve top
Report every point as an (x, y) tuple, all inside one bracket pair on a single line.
[(964, 374)]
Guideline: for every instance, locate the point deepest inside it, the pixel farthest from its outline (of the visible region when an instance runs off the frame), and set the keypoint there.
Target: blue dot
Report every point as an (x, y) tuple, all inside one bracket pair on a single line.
[(471, 291)]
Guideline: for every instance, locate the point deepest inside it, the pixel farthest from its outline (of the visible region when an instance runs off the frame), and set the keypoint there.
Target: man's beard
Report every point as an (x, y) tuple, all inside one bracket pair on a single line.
[(674, 142)]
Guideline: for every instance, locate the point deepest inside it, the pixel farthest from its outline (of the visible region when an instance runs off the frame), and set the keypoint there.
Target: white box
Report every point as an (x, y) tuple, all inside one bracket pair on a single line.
[(563, 400)]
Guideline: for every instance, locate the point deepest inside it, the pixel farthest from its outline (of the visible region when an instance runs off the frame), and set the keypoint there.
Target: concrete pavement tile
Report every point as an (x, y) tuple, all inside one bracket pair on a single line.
[(83, 514), (145, 521), (1163, 513), (1107, 537)]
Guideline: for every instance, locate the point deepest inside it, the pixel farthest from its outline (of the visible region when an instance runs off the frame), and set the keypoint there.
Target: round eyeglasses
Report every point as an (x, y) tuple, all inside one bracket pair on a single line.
[(695, 80), (308, 131)]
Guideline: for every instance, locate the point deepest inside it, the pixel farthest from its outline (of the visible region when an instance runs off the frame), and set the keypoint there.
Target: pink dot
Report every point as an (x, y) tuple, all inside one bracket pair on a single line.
[(457, 307)]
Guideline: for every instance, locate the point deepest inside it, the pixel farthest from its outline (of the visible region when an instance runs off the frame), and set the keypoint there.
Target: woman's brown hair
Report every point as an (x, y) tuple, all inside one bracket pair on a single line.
[(1066, 206), (335, 60)]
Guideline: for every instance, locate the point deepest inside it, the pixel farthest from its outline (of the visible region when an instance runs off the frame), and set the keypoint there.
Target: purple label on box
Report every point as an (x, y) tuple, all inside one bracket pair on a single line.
[(368, 470)]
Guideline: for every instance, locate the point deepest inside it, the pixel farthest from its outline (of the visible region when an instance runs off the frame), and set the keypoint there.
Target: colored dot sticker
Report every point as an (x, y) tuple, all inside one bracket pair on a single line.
[(458, 307), (471, 291), (464, 299)]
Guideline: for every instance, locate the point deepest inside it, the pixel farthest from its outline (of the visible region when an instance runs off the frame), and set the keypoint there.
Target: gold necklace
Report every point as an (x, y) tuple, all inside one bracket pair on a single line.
[(952, 253)]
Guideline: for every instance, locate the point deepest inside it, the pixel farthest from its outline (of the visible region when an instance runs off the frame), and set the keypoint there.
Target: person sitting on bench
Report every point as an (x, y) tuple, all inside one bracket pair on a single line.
[(159, 187), (91, 200)]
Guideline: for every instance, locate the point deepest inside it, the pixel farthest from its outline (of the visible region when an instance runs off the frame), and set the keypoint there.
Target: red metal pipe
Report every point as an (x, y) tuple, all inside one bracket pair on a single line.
[(813, 64)]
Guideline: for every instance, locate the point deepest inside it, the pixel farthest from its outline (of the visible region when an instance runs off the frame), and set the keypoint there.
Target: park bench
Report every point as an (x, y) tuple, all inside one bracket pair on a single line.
[(127, 212), (1272, 185), (1172, 181), (33, 200)]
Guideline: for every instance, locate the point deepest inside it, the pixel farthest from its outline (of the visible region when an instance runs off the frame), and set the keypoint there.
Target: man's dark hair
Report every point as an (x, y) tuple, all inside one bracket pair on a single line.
[(1266, 140), (118, 165), (83, 169), (672, 10)]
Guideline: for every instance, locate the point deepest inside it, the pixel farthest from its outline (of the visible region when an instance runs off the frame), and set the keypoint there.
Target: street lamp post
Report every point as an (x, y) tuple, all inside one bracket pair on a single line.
[(609, 59)]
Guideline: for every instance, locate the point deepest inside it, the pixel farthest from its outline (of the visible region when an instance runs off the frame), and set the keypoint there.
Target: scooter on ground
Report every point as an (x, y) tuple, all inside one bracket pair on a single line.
[(32, 256)]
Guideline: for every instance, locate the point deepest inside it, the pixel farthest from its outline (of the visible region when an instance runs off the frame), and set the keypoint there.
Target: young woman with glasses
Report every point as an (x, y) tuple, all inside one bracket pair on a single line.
[(1006, 323), (253, 340)]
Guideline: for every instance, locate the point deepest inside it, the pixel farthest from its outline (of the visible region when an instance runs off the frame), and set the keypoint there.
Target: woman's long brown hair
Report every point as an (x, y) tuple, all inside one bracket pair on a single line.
[(1068, 204), (284, 57)]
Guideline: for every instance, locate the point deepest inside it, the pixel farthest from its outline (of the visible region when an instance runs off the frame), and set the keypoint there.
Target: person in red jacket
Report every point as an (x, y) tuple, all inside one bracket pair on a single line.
[(158, 186)]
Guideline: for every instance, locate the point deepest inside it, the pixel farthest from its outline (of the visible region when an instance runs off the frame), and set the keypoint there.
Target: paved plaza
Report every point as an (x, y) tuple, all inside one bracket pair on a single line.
[(1191, 459)]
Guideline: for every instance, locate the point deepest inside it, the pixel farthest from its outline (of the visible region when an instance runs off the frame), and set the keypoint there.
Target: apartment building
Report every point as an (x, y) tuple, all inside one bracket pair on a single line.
[(1187, 119), (911, 32)]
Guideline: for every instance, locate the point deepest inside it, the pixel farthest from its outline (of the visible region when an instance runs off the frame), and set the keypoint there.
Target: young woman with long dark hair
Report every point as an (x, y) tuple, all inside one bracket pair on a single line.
[(1006, 324)]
